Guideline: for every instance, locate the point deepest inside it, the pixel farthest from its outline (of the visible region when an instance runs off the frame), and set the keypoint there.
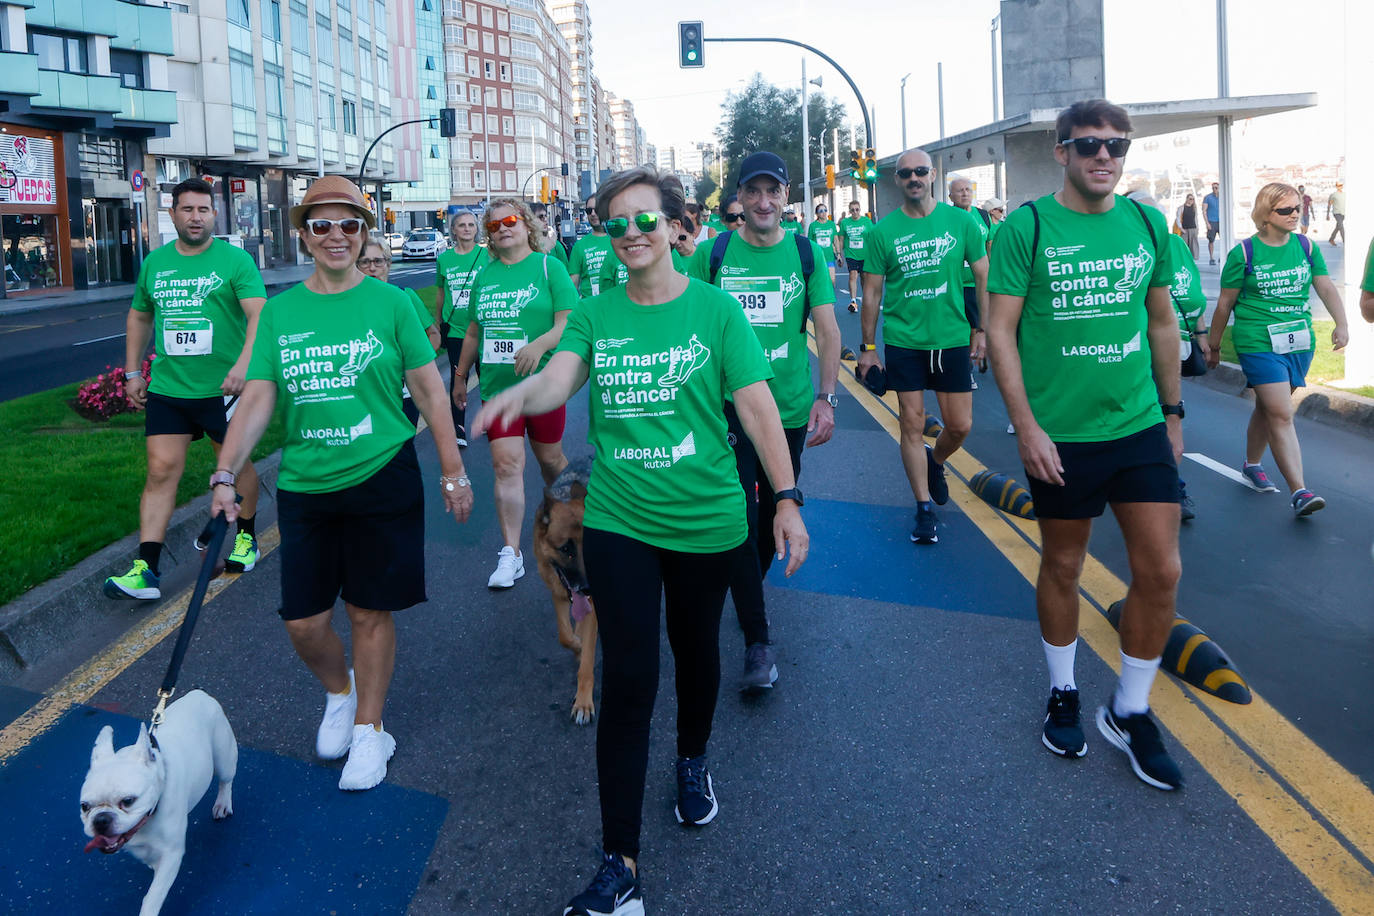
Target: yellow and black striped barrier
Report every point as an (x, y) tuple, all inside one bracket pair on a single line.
[(1192, 656), (1002, 492)]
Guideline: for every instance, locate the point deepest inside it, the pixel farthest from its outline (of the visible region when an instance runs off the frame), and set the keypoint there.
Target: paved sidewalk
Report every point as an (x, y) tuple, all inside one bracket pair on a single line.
[(17, 304)]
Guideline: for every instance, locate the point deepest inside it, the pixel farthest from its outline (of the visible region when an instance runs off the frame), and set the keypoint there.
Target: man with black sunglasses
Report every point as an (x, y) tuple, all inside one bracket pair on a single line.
[(1084, 341), (589, 253), (851, 236), (917, 253)]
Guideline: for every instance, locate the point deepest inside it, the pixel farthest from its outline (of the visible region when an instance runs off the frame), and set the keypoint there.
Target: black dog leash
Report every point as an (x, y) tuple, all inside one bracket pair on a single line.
[(217, 529)]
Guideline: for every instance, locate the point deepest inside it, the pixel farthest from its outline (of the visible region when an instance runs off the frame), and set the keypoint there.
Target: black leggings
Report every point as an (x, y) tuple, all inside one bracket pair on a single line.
[(628, 578), (746, 578), (454, 346)]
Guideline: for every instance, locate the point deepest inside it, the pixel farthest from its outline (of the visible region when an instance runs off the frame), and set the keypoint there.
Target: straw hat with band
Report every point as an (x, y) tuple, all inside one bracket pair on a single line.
[(332, 189)]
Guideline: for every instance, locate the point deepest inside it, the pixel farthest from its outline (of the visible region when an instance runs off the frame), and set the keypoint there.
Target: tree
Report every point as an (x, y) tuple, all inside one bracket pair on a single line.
[(768, 117)]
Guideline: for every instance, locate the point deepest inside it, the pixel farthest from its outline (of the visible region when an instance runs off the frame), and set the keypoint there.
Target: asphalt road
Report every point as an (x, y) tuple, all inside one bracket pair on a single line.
[(896, 768)]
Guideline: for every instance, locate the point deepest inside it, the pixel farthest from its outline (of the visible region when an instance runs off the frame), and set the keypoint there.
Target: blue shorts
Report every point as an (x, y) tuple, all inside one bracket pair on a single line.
[(1264, 368)]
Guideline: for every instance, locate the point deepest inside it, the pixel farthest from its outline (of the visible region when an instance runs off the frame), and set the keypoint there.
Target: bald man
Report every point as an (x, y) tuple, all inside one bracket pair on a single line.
[(918, 253), (961, 196)]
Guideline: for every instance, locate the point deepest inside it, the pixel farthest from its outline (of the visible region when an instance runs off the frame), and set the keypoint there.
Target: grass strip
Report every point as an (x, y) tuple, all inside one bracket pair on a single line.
[(1327, 365)]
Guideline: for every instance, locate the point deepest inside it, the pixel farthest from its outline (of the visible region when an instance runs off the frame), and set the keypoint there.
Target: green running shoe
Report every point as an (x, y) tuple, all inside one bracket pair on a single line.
[(244, 556), (139, 582)]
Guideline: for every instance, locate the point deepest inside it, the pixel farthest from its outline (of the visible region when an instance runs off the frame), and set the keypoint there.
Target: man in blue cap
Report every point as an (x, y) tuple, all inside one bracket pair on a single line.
[(780, 280)]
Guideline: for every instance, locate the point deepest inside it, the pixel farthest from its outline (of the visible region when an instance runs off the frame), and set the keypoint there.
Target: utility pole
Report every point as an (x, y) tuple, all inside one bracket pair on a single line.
[(992, 35), (806, 152), (903, 88), (1224, 152), (940, 88)]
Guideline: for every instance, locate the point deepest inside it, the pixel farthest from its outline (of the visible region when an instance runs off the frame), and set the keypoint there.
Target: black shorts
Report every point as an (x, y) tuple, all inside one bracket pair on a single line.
[(1138, 468), (1213, 230), (854, 264), (949, 370), (194, 417), (365, 542)]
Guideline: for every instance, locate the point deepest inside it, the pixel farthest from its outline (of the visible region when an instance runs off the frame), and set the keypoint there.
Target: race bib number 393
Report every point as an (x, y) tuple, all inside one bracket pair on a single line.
[(760, 297), (187, 336)]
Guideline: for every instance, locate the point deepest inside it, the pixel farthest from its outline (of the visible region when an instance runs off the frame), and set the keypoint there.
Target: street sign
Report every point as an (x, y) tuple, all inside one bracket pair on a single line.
[(136, 180), (237, 185)]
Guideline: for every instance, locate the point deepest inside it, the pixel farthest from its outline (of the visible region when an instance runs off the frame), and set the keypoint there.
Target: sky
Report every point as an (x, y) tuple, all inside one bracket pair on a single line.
[(1275, 46)]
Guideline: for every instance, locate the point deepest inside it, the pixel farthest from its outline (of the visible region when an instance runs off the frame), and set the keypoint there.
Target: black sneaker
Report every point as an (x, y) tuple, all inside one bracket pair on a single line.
[(927, 525), (696, 797), (760, 671), (614, 891), (1138, 737), (1187, 508), (935, 478), (1063, 734)]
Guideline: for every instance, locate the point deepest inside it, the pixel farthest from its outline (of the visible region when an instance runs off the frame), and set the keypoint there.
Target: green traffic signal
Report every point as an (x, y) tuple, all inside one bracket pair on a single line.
[(689, 44)]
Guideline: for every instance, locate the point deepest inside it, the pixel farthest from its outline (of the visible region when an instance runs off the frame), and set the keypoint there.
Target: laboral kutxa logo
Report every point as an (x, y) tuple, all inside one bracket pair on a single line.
[(659, 456), (1104, 353)]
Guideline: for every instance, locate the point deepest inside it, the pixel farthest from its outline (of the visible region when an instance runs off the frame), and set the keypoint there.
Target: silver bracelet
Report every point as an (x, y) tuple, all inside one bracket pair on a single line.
[(449, 482)]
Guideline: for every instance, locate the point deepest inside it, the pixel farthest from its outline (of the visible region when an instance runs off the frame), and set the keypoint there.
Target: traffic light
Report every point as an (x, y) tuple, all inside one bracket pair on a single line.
[(870, 166), (554, 199), (448, 122), (689, 45), (564, 169), (830, 177), (543, 189), (855, 166)]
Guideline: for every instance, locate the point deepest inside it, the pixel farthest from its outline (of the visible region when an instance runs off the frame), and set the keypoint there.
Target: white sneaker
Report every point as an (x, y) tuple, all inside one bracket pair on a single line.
[(509, 567), (367, 757), (336, 727)]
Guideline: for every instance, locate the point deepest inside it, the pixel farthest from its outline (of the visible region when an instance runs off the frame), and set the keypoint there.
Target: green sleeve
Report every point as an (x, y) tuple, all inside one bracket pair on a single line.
[(247, 280), (142, 302), (1233, 271), (578, 264), (875, 252), (263, 363), (561, 254), (422, 311), (1368, 283), (561, 288), (1009, 272), (819, 291), (410, 335), (1164, 260), (441, 295), (700, 265), (577, 333), (975, 243)]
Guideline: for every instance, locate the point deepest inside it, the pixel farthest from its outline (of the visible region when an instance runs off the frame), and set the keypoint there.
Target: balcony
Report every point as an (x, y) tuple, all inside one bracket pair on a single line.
[(59, 89), (155, 106), (21, 73), (94, 17), (142, 28)]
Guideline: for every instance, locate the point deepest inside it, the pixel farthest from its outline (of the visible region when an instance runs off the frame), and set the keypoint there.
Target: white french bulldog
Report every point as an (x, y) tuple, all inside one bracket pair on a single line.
[(140, 796)]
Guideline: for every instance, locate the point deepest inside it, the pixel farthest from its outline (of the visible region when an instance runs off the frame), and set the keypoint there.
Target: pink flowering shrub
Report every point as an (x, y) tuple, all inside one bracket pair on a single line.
[(103, 397)]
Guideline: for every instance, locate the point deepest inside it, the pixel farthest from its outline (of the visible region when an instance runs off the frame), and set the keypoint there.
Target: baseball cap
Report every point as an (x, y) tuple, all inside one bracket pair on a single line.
[(994, 203), (332, 189), (762, 163)]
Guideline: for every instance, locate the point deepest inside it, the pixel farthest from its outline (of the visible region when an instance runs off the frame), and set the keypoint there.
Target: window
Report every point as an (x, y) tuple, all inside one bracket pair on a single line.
[(509, 149), (486, 16), (472, 38), (475, 94), (461, 147), (502, 20), (453, 34), (508, 126), (453, 8), (491, 124), (506, 100), (477, 151), (460, 118), (59, 51), (328, 116), (488, 43), (474, 68), (236, 11), (510, 180), (128, 66), (350, 118), (496, 181), (470, 12), (346, 60), (505, 72), (488, 70), (455, 61), (490, 100), (271, 20), (529, 76), (503, 45), (493, 152), (523, 24), (521, 47), (479, 179)]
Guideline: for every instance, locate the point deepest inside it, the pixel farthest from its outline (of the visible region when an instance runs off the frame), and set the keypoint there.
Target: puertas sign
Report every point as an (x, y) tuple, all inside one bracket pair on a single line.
[(27, 174)]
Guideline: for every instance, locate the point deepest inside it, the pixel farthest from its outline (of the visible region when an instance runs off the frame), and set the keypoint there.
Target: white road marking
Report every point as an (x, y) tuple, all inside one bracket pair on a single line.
[(1223, 470), (82, 343)]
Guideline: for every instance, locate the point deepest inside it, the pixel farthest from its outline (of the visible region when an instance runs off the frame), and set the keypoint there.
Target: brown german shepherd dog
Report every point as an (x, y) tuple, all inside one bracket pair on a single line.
[(558, 548)]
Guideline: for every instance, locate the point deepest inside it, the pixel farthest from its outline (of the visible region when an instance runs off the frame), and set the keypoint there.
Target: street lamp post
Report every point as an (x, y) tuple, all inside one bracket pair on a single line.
[(904, 79)]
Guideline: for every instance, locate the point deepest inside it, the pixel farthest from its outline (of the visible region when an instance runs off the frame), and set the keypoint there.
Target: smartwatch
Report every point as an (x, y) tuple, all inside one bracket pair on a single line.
[(867, 348), (793, 494), (1172, 410), (829, 398)]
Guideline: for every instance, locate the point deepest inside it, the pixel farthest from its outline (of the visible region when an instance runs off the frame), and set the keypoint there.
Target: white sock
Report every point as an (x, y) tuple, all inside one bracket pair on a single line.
[(1252, 464), (1060, 660), (1133, 689)]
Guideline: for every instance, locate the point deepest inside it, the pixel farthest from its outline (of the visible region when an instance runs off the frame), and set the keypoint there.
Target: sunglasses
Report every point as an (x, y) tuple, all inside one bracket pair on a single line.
[(1285, 211), (495, 224), (919, 171), (349, 225), (590, 209), (644, 222), (731, 217), (1088, 146)]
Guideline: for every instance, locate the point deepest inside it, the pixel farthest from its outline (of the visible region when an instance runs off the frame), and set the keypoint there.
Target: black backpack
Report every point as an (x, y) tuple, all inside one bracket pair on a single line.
[(808, 264)]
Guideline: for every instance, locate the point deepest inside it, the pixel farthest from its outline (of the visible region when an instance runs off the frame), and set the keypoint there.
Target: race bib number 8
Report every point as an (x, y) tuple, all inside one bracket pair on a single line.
[(760, 297), (1290, 337), (499, 350), (187, 336)]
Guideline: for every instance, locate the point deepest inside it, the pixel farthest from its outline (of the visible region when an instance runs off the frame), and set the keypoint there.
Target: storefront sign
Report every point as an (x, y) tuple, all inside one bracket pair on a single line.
[(236, 185), (27, 174)]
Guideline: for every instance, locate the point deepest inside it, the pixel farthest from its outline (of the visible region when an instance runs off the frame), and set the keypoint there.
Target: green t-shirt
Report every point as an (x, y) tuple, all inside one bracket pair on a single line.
[(767, 284), (1272, 314), (339, 363), (920, 261), (853, 231), (560, 254), (715, 222), (198, 325), (1368, 283), (456, 273), (992, 233), (613, 272), (822, 232), (681, 264), (665, 473), (587, 256), (513, 304), (791, 227), (1186, 291), (1083, 341), (984, 231)]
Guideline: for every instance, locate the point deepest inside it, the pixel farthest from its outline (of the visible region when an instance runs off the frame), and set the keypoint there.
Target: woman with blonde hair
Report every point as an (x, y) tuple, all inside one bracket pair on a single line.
[(1266, 281), (519, 305)]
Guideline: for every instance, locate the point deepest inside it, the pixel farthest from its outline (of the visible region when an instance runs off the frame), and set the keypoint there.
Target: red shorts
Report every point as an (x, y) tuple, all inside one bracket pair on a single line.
[(546, 428)]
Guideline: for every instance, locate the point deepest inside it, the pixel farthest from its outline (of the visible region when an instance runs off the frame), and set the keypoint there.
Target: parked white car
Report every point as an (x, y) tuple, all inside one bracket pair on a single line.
[(395, 240), (423, 244)]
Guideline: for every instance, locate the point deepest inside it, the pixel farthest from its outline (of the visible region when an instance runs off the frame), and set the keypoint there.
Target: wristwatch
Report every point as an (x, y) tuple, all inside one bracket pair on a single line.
[(1172, 410), (222, 478), (829, 398), (867, 348), (453, 483), (793, 494)]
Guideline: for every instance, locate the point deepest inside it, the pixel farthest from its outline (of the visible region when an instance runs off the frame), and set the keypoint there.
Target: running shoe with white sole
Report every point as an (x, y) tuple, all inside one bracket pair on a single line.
[(138, 582), (927, 525), (696, 795), (760, 671), (935, 478), (614, 891), (1063, 734), (368, 753), (335, 734), (1137, 736), (1305, 502), (509, 567), (462, 437), (1258, 480), (244, 556)]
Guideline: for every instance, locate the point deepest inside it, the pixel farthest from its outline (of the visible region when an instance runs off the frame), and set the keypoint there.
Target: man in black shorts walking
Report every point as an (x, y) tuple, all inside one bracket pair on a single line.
[(199, 299), (919, 251), (1084, 341)]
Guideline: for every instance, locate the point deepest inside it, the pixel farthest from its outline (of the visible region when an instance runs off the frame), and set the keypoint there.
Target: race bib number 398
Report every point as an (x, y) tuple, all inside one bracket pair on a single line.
[(760, 297), (187, 336), (497, 349)]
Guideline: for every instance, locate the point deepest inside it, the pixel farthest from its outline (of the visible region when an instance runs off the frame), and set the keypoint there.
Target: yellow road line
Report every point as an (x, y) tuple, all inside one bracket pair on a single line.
[(1248, 754), (87, 680)]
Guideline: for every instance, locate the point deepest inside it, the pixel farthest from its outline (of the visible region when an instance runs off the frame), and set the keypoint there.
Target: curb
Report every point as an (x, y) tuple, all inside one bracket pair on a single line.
[(123, 295), (1331, 406), (42, 619)]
